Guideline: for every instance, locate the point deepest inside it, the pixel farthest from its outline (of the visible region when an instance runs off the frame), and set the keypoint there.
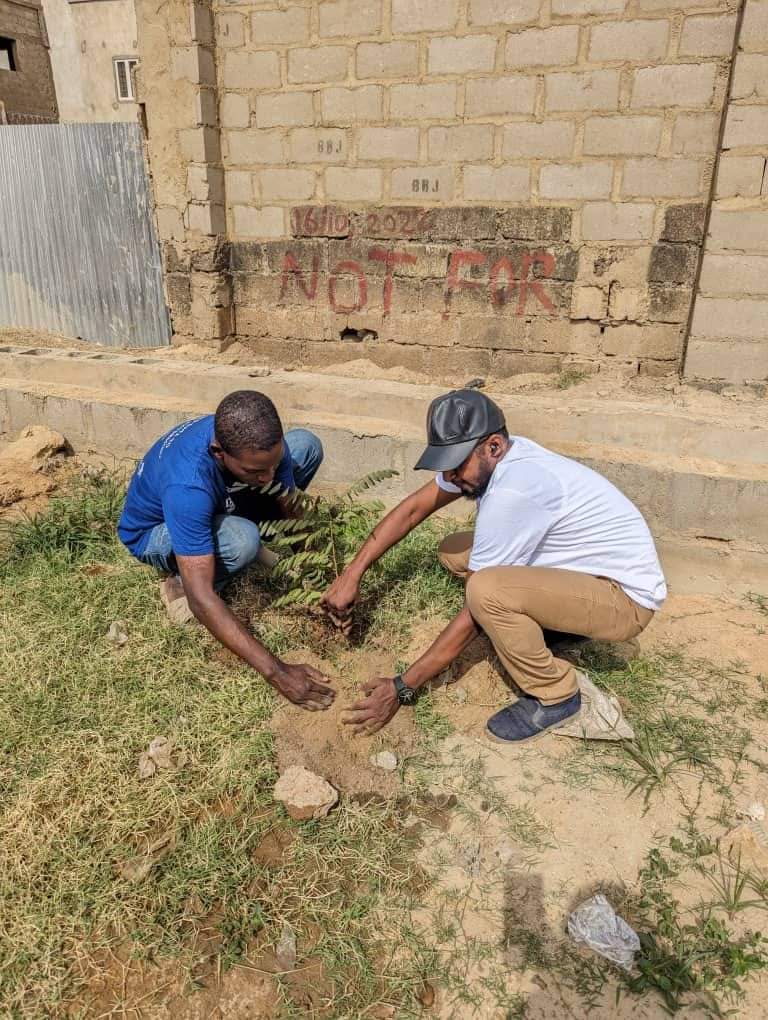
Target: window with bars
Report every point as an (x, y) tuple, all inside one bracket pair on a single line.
[(123, 80), (7, 54)]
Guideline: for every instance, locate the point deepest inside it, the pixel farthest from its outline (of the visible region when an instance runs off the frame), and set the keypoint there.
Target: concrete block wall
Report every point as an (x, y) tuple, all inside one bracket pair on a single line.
[(729, 331), (28, 91), (476, 183)]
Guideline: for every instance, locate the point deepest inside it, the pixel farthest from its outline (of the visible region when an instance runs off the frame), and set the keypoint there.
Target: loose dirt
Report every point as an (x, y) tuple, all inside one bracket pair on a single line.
[(31, 468)]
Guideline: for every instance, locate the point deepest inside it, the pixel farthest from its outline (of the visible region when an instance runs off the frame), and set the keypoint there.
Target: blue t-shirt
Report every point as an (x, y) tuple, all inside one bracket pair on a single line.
[(180, 484)]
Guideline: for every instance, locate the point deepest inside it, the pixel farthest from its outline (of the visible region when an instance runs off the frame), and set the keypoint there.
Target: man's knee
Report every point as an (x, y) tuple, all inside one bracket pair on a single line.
[(486, 596), (237, 542), (454, 552), (478, 593), (306, 450)]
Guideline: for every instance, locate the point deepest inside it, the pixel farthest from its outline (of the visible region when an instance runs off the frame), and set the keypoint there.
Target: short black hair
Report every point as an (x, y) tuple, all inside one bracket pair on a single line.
[(247, 420)]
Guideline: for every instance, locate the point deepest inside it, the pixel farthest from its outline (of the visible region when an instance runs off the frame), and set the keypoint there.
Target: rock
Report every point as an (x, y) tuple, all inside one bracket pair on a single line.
[(747, 844), (117, 633), (157, 756), (459, 695), (304, 794), (755, 811), (384, 760), (285, 954), (36, 445)]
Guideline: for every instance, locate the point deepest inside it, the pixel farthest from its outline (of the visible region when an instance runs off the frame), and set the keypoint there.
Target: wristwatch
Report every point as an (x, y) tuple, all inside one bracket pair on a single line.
[(405, 695)]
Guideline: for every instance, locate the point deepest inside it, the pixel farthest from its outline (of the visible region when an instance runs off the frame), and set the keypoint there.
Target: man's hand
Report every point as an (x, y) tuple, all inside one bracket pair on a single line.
[(371, 713), (339, 601), (304, 686)]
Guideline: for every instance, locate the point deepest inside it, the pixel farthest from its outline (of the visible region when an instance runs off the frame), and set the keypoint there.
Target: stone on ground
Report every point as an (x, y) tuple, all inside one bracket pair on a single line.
[(304, 794), (386, 760), (36, 445)]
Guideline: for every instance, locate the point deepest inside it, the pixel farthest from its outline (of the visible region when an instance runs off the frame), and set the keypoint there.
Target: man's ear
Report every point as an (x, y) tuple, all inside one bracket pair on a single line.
[(215, 450), (495, 445)]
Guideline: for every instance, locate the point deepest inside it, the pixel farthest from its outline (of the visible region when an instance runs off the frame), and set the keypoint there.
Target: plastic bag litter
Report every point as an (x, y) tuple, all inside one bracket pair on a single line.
[(595, 923), (600, 718)]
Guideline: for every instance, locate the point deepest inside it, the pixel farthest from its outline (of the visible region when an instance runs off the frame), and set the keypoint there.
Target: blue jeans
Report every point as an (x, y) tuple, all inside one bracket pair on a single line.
[(236, 538)]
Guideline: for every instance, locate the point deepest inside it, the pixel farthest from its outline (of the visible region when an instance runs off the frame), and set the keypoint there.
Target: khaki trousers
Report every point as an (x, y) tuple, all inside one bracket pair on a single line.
[(513, 604)]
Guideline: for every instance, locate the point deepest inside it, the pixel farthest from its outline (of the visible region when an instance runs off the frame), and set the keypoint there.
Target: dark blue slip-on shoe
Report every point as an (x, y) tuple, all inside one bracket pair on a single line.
[(528, 719)]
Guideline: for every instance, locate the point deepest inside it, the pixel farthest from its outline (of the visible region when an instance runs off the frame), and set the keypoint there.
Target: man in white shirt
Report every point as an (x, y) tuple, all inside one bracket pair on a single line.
[(556, 546)]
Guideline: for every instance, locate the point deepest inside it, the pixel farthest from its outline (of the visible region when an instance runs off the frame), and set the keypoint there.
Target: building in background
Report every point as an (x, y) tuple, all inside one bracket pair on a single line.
[(93, 50), (27, 93)]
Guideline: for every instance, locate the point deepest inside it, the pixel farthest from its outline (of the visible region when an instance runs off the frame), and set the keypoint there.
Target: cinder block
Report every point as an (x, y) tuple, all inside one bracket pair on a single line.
[(230, 30), (730, 318), (318, 64), (350, 18), (750, 77), (673, 263), (422, 102), (573, 8), (497, 184), (754, 31), (695, 134), (662, 178), (235, 110), (537, 223), (592, 90), (193, 64), (451, 55), (668, 303), (543, 47), (239, 187), (585, 180), (286, 185), (627, 303), (622, 136), (498, 97), (350, 184), (735, 361), (634, 41), (734, 274), (351, 106), (253, 147), (284, 109), (738, 231), (459, 223), (206, 218), (387, 60), (708, 36), (205, 183), (463, 142), (319, 145), (170, 226), (746, 125), (417, 16), (251, 70), (649, 341), (278, 28), (429, 183), (551, 138), (684, 223), (564, 337), (398, 144), (617, 221), (673, 85), (200, 145), (206, 114), (269, 221), (502, 12), (588, 303), (739, 176)]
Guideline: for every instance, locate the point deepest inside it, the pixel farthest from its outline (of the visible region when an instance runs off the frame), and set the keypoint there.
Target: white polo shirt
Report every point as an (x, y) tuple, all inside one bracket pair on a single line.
[(544, 510)]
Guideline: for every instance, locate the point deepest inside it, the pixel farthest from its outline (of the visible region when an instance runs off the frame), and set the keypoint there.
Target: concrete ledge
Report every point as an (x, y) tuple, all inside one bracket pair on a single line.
[(708, 512)]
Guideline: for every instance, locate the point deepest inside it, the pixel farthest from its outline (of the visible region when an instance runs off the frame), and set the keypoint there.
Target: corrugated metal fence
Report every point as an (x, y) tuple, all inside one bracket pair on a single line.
[(78, 251)]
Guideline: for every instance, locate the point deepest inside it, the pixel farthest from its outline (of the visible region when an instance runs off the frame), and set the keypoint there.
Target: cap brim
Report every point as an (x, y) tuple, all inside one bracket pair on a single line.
[(445, 458)]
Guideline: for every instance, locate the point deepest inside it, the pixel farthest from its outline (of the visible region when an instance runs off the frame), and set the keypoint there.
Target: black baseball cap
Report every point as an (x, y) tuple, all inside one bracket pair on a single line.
[(456, 422)]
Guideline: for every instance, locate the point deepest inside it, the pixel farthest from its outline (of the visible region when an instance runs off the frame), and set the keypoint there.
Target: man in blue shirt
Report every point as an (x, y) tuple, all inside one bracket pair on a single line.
[(191, 510)]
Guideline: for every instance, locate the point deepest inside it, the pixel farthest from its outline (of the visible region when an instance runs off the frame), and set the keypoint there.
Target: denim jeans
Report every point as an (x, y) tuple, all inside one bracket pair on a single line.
[(236, 538)]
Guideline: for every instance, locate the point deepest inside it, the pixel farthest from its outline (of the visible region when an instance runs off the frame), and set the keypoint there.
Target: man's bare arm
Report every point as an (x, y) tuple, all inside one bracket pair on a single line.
[(381, 703), (342, 594), (301, 684)]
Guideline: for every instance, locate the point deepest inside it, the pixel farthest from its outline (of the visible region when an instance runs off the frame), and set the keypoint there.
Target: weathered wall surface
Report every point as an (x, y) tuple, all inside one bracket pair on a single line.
[(502, 187), (729, 335), (84, 38), (28, 91)]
